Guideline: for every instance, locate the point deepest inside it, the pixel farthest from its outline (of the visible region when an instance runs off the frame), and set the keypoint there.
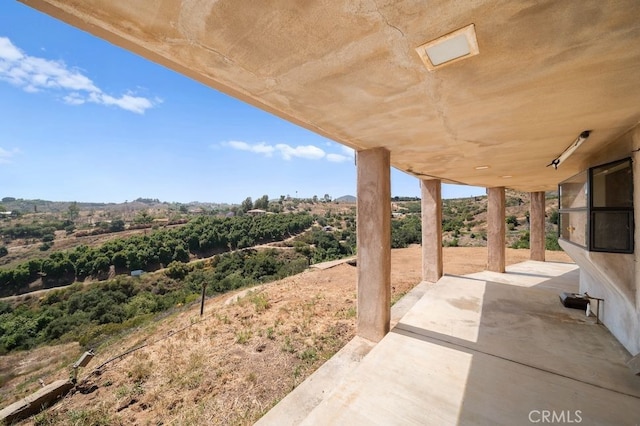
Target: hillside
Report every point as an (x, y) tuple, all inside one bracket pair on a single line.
[(100, 313), (231, 365), (55, 224)]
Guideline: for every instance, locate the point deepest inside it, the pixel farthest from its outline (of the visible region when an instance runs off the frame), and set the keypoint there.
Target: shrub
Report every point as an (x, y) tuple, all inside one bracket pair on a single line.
[(551, 242), (452, 243), (522, 242), (260, 302), (177, 270)]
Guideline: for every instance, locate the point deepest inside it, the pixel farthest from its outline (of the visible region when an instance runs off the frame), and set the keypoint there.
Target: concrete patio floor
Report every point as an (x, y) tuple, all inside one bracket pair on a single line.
[(485, 348)]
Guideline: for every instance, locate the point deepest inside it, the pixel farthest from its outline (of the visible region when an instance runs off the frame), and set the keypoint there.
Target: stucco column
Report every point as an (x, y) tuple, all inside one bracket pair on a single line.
[(496, 238), (431, 230), (537, 231), (374, 243)]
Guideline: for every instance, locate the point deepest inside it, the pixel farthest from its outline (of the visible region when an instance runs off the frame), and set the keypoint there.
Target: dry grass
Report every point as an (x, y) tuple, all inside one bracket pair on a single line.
[(236, 362)]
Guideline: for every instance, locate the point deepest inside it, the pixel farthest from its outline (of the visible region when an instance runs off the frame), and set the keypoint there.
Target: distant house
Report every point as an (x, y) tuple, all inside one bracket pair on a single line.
[(256, 212), (5, 213), (137, 273)]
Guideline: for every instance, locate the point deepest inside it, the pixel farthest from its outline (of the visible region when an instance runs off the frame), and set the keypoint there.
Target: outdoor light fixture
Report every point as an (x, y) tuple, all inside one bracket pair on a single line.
[(481, 167), (449, 48), (570, 149)]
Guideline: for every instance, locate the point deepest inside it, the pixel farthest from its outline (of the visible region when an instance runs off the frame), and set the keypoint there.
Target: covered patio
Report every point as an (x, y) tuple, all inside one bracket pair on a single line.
[(485, 348), (528, 95)]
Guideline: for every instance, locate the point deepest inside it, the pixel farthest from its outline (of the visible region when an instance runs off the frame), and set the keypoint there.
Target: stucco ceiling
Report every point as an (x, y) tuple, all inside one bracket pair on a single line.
[(348, 69)]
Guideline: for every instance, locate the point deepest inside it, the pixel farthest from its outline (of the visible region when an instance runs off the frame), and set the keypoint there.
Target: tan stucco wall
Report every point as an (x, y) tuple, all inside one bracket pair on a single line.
[(611, 276), (617, 149)]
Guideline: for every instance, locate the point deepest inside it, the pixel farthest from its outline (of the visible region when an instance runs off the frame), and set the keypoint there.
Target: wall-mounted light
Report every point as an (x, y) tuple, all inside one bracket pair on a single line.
[(570, 149)]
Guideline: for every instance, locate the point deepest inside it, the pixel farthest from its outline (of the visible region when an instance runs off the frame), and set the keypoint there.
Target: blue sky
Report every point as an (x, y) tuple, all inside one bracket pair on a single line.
[(83, 120)]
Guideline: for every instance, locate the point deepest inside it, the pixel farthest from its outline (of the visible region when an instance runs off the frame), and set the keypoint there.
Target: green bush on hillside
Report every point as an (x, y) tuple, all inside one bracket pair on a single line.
[(88, 315), (202, 236)]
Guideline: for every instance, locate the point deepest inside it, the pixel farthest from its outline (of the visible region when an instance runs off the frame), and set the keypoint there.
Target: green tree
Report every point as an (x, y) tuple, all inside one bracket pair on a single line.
[(143, 217), (3, 251), (101, 265), (116, 225), (262, 203), (73, 212), (246, 205), (177, 270), (119, 260), (180, 254)]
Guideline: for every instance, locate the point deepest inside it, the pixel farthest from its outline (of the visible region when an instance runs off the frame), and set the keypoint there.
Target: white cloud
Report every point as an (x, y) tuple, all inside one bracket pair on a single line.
[(349, 152), (289, 152), (5, 155), (304, 151), (8, 51), (337, 158), (261, 148), (34, 74), (74, 98)]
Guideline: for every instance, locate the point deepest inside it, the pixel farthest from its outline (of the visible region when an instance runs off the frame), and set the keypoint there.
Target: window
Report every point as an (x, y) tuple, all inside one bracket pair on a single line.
[(573, 210), (596, 208), (612, 207)]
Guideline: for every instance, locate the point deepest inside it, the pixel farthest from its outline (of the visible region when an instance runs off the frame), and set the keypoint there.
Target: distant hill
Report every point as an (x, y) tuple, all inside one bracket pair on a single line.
[(346, 199)]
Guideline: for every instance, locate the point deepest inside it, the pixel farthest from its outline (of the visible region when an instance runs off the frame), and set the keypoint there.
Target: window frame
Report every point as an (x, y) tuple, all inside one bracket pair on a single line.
[(568, 210), (591, 211)]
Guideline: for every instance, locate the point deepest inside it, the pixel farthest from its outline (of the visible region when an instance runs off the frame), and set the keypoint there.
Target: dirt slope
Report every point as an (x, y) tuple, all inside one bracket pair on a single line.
[(233, 364)]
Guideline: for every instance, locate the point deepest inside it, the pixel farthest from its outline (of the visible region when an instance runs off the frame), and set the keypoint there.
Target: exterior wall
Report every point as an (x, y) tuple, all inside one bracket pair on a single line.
[(611, 276)]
